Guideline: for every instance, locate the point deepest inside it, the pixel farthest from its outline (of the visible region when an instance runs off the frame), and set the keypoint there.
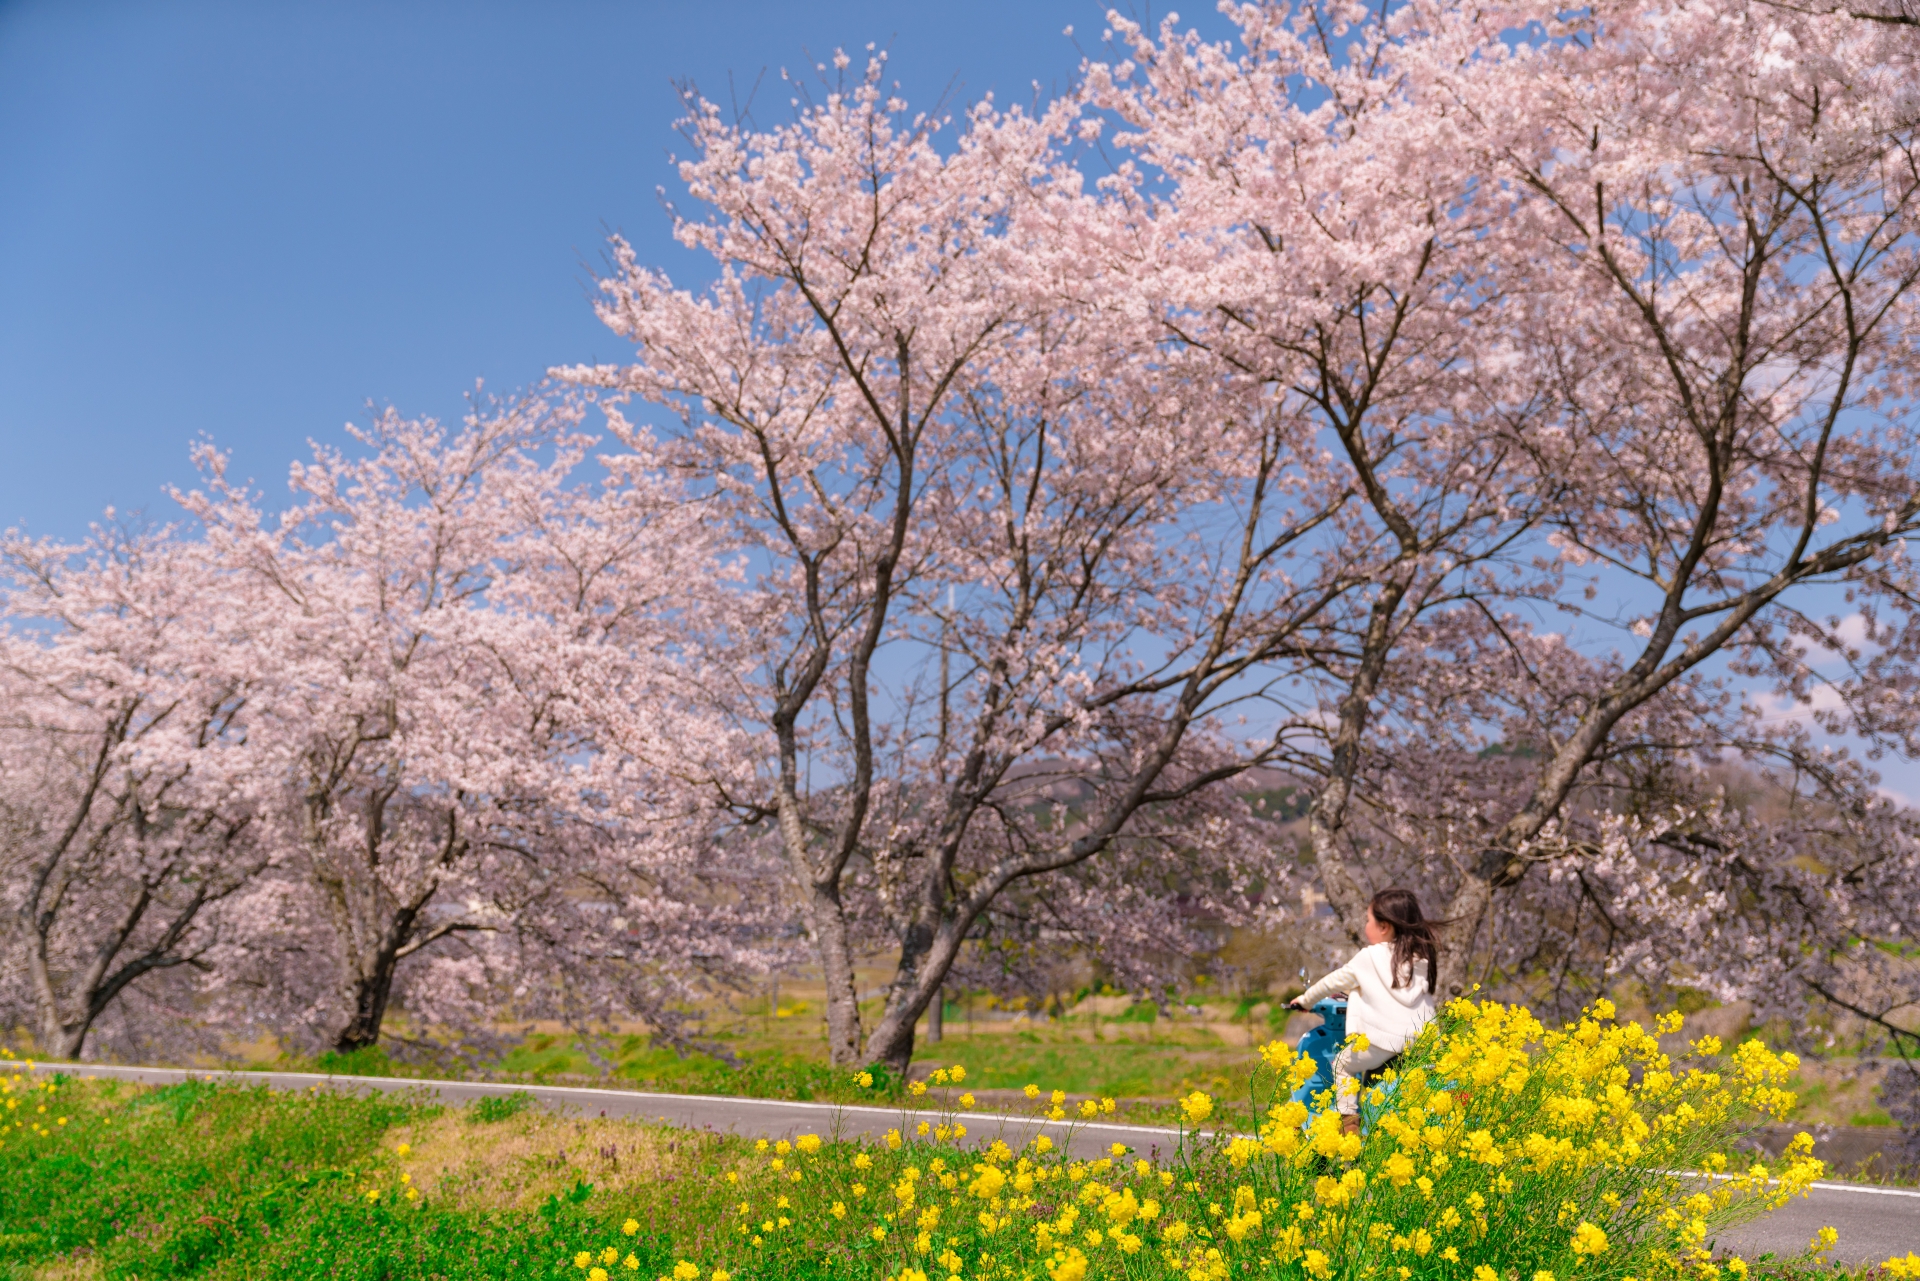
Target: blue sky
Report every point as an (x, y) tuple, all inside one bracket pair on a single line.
[(250, 219)]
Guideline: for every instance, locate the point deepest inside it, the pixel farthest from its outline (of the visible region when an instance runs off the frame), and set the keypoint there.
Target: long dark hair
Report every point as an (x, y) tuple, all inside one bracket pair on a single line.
[(1413, 936)]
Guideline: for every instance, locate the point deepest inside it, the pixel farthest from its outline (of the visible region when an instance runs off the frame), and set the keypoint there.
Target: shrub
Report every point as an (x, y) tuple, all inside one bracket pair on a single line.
[(1505, 1150), (499, 1107)]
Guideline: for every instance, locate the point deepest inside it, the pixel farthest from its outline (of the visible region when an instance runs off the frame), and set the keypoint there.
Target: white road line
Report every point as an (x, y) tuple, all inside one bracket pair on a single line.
[(1867, 1189), (568, 1092)]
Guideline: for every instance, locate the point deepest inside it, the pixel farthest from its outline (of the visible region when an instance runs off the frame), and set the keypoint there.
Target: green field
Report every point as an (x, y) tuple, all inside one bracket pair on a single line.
[(101, 1179)]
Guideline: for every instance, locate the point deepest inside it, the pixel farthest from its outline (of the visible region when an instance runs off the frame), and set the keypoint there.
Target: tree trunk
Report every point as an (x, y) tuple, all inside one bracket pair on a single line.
[(372, 923), (1327, 816), (370, 989), (1465, 911), (829, 925), (1495, 869), (60, 1040), (937, 1016), (1325, 819), (892, 1041), (926, 955)]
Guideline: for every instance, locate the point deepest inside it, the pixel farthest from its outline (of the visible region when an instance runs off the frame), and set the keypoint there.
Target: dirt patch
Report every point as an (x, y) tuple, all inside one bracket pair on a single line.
[(82, 1266), (516, 1164)]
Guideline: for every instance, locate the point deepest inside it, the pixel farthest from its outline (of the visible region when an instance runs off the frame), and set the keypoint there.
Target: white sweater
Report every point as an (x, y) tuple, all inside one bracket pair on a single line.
[(1390, 1016)]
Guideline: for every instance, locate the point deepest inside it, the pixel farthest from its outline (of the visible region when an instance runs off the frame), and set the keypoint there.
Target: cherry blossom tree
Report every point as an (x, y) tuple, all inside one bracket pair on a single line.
[(1724, 289), (1689, 859), (427, 623), (127, 792), (1003, 532), (1662, 276), (1318, 241), (1496, 421)]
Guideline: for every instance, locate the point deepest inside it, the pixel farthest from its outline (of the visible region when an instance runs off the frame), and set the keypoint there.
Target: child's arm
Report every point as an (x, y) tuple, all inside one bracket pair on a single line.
[(1342, 980)]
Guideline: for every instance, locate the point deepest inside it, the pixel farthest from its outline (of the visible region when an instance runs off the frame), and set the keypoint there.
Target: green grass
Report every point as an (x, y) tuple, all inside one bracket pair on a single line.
[(501, 1107), (370, 1060), (174, 1182), (1120, 1069), (225, 1184), (1052, 1055), (1153, 1059), (773, 1073), (195, 1181), (104, 1180)]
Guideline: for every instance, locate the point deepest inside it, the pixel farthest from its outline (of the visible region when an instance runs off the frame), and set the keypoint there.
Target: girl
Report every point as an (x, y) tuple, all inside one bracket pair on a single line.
[(1389, 989)]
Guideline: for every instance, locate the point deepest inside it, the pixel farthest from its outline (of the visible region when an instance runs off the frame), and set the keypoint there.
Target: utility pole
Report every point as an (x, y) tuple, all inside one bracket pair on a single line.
[(946, 688), (937, 1012)]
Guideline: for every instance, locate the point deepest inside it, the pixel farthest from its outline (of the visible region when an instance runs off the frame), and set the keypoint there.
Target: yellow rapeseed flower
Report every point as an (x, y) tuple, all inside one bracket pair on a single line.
[(1068, 1265), (1589, 1239)]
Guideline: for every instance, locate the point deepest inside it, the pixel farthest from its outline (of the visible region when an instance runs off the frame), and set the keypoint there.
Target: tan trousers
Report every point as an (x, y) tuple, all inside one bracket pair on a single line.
[(1349, 1067)]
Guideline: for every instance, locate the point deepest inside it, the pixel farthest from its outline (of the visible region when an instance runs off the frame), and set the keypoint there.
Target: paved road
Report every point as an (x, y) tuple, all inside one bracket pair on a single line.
[(1873, 1222)]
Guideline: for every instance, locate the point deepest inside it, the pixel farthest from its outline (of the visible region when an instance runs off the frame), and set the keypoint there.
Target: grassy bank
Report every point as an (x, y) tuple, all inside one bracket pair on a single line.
[(1509, 1152)]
